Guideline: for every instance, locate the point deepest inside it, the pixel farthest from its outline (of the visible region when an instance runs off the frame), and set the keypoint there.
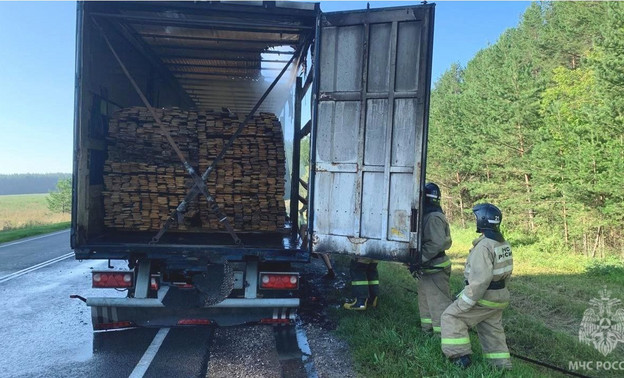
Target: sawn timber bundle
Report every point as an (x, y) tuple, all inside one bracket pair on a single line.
[(144, 181)]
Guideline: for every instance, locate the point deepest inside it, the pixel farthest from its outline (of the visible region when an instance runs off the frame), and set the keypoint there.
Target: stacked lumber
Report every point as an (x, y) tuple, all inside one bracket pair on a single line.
[(144, 181)]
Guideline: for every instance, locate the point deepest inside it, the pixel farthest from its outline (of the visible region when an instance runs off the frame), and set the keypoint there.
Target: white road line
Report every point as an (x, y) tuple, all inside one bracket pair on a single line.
[(35, 267), (150, 353), (31, 239)]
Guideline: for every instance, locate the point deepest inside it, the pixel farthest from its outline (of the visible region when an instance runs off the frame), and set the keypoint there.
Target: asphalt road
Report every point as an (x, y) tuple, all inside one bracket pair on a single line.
[(22, 254), (45, 333)]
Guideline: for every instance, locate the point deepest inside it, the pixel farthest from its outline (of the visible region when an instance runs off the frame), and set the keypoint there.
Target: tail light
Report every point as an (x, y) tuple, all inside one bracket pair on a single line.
[(122, 279), (279, 281), (154, 282)]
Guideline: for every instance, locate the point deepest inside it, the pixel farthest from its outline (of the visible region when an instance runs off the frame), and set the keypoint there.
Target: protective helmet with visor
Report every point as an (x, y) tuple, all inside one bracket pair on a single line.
[(488, 217)]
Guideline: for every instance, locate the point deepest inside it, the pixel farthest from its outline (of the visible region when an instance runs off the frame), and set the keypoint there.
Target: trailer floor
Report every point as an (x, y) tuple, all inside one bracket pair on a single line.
[(250, 239)]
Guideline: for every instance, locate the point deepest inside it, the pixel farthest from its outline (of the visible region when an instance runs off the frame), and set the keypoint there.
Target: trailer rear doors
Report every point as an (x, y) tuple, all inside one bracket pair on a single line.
[(370, 131)]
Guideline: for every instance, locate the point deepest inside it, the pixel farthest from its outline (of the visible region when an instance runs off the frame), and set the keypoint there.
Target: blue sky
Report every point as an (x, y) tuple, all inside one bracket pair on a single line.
[(37, 69)]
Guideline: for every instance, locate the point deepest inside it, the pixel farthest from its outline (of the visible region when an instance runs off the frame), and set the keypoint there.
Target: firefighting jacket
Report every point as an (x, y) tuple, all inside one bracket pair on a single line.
[(436, 239), (488, 267)]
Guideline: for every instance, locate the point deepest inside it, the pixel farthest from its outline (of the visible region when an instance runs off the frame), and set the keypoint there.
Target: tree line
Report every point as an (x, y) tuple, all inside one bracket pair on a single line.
[(535, 124), (30, 183)]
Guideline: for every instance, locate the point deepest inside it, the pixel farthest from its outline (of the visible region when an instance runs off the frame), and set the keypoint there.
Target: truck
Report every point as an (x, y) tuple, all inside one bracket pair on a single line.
[(350, 87)]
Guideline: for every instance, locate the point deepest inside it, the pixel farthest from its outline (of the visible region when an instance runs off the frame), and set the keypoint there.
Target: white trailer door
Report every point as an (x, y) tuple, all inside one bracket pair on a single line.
[(370, 130)]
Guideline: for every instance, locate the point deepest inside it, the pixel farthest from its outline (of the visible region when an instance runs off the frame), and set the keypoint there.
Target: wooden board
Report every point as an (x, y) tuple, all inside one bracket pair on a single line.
[(145, 181)]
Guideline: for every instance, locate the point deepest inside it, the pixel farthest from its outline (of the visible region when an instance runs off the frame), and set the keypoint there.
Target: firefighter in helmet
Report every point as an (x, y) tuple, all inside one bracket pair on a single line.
[(433, 285), (481, 303), (364, 284)]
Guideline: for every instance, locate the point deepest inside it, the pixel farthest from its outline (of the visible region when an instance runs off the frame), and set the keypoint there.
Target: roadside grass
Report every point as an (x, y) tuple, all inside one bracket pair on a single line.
[(550, 292), (26, 215), (7, 236)]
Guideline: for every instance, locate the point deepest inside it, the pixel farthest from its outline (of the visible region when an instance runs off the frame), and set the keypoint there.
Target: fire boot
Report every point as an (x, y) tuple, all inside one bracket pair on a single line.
[(359, 304), (373, 283), (463, 361), (372, 301)]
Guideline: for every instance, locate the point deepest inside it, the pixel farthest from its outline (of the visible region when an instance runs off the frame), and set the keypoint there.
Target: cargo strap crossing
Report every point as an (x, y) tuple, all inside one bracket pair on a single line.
[(181, 209), (198, 182)]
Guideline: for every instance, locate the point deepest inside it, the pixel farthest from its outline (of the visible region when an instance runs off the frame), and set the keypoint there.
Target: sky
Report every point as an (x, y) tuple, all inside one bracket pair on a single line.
[(37, 47)]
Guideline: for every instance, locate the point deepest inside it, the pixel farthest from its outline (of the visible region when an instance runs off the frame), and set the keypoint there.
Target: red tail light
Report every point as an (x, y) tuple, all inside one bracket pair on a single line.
[(279, 281), (154, 284), (112, 279), (194, 322), (116, 325)]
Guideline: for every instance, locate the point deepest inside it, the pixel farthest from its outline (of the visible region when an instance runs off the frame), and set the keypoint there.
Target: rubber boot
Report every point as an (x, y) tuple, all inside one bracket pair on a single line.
[(373, 284), (463, 361), (359, 304), (372, 301)]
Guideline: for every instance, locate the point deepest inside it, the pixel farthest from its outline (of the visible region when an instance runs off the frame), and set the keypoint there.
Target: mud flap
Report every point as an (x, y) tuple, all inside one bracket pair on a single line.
[(215, 284)]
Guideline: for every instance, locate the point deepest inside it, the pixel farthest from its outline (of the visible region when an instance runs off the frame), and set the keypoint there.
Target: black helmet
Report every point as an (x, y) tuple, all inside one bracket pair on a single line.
[(488, 217), (432, 193)]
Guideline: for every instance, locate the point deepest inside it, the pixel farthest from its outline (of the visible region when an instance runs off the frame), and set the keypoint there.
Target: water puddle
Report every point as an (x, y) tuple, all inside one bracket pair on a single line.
[(294, 352), (306, 353)]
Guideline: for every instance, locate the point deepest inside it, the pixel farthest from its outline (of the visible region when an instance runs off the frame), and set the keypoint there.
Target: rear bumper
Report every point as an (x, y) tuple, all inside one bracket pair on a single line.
[(151, 312), (228, 303)]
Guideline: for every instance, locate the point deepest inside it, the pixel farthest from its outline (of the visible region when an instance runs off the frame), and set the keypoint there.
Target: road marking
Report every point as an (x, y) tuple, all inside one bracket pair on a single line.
[(35, 267), (31, 239), (150, 353)]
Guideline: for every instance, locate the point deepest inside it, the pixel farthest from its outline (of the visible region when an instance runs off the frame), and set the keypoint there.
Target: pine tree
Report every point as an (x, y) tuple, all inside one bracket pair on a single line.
[(535, 124), (447, 122)]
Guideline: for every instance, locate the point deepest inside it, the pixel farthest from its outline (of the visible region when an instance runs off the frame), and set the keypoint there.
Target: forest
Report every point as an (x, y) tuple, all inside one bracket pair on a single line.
[(534, 123), (29, 183)]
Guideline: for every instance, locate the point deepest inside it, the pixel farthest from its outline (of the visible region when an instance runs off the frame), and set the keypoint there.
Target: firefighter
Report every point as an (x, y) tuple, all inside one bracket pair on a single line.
[(364, 284), (433, 287), (481, 303)]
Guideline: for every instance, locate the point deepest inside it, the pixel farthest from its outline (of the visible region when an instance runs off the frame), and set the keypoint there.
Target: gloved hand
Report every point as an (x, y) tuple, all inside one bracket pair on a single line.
[(415, 270)]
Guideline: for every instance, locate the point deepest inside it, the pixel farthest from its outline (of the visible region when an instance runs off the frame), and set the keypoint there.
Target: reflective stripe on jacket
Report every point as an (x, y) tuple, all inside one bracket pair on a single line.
[(436, 239), (487, 261)]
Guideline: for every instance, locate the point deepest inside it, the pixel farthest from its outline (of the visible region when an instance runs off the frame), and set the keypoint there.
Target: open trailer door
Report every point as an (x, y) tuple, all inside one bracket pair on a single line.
[(370, 131)]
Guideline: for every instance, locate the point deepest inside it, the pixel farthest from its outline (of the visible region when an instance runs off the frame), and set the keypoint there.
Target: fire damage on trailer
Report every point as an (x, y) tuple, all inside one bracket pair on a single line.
[(182, 112), (186, 58)]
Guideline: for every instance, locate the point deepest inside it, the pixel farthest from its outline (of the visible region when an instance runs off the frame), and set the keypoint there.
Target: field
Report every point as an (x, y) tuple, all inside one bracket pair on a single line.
[(550, 292), (26, 215)]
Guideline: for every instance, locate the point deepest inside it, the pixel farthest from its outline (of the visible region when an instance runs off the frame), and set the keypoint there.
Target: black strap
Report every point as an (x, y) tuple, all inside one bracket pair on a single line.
[(428, 264), (441, 254), (494, 285)]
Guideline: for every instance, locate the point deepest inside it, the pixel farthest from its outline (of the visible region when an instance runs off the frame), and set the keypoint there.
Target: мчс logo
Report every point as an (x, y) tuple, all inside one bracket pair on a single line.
[(603, 323)]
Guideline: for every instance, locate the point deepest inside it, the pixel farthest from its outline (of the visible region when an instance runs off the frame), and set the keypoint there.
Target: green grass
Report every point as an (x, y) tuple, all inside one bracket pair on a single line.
[(7, 236), (26, 215), (550, 291), (26, 210)]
